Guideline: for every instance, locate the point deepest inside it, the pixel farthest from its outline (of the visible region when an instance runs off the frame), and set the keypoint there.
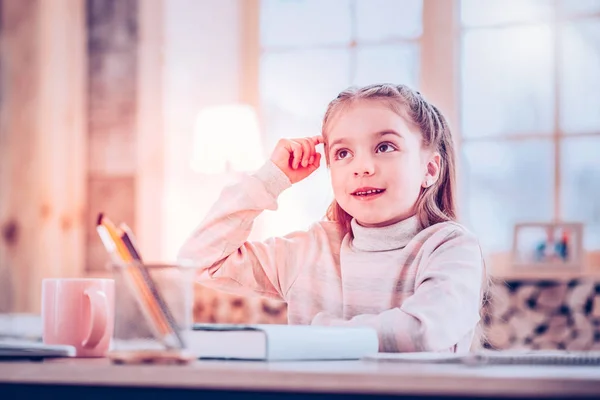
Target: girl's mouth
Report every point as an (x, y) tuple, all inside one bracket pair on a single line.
[(367, 193)]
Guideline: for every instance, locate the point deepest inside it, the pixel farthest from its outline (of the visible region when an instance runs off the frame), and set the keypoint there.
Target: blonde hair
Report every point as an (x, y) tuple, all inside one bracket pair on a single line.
[(435, 203)]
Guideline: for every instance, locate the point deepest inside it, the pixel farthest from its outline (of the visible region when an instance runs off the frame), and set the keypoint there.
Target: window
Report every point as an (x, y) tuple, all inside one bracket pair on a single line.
[(530, 116), (310, 51), (518, 79)]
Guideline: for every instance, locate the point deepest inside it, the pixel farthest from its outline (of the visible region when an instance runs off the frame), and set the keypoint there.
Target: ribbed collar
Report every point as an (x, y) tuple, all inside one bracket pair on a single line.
[(391, 237)]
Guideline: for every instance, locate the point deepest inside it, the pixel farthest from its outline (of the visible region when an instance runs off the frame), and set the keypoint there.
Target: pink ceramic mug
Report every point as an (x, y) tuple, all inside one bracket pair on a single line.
[(80, 313)]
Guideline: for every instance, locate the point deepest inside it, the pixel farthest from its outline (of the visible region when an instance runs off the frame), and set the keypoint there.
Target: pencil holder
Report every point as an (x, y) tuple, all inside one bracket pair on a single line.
[(153, 308)]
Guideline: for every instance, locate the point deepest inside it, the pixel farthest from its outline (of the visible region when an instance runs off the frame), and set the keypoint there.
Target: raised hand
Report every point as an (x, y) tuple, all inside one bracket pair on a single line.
[(297, 158)]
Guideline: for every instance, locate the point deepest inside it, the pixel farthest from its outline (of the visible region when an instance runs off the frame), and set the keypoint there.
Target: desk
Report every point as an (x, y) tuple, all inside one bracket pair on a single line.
[(207, 380)]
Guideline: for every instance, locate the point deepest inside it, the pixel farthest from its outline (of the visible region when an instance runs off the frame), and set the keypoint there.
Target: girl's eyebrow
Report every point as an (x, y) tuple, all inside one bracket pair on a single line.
[(337, 141), (377, 134), (389, 132)]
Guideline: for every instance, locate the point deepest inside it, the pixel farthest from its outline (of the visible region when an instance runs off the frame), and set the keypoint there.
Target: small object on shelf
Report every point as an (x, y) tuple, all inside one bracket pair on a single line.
[(548, 246)]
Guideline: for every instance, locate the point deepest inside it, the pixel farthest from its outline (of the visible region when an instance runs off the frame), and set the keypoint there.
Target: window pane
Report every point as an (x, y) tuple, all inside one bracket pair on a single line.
[(387, 63), (580, 191), (507, 79), (493, 12), (580, 86), (577, 7), (296, 87), (299, 206), (388, 19), (504, 183), (305, 22)]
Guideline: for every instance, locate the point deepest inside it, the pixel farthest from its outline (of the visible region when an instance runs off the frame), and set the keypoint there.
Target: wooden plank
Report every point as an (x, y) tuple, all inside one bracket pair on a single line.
[(112, 97), (5, 276), (115, 196), (62, 137), (150, 168), (112, 46), (112, 113), (19, 58), (43, 145)]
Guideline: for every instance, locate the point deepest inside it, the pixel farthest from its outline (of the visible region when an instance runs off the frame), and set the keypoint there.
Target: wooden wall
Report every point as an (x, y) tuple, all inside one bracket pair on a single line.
[(80, 133), (42, 146)]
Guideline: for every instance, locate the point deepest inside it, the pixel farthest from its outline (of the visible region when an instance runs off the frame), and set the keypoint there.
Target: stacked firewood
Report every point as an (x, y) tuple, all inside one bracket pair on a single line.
[(218, 307), (544, 315)]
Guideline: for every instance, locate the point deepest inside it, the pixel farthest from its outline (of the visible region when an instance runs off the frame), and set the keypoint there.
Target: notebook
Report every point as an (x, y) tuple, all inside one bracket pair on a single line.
[(417, 357), (280, 342), (535, 357), (490, 357), (15, 349)]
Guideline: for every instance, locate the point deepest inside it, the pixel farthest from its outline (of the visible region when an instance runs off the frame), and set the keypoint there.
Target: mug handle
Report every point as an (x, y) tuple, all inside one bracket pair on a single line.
[(98, 317)]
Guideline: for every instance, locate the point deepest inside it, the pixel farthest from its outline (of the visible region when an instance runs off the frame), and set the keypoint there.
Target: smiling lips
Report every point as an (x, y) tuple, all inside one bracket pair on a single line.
[(365, 193)]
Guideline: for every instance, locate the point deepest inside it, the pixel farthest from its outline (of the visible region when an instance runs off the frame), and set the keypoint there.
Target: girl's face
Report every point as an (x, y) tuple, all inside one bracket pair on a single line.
[(377, 162)]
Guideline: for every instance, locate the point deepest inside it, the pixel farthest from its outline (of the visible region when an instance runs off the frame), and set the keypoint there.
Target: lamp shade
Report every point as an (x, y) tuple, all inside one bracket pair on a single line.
[(226, 139)]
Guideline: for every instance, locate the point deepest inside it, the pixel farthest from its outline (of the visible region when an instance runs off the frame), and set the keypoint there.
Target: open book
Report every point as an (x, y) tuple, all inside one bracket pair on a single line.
[(489, 357)]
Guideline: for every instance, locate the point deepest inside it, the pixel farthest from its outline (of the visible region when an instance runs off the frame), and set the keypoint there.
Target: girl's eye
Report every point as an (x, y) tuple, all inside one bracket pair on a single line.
[(341, 154), (385, 148)]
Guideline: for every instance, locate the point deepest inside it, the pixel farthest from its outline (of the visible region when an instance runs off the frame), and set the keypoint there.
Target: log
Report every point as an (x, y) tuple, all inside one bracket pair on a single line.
[(584, 330), (579, 294), (525, 321), (558, 329), (551, 298), (596, 306), (500, 301), (499, 335), (521, 296)]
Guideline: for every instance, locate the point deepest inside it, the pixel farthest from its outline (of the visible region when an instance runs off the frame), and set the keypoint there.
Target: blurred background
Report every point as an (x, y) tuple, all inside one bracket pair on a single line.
[(144, 109)]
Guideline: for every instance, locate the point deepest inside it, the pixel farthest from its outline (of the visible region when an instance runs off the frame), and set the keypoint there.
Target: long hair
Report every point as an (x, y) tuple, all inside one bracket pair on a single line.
[(435, 203)]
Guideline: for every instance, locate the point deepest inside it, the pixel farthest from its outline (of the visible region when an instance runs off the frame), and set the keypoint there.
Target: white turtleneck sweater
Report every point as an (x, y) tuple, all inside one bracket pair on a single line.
[(420, 289)]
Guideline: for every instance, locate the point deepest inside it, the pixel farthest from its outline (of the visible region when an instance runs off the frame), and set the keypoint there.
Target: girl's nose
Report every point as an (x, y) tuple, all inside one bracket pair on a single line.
[(364, 166)]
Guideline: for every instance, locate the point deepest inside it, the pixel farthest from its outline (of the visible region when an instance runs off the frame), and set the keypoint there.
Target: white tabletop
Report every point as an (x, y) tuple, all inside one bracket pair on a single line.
[(363, 377)]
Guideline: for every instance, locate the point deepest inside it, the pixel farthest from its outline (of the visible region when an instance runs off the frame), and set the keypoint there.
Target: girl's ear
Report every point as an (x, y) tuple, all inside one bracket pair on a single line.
[(432, 172)]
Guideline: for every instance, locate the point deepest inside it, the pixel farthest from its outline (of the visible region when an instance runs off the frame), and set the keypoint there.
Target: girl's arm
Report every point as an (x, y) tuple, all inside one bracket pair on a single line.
[(443, 309), (219, 246)]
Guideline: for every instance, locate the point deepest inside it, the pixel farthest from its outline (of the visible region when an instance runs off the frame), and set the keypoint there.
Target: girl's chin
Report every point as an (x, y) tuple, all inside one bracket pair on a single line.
[(378, 222), (373, 222)]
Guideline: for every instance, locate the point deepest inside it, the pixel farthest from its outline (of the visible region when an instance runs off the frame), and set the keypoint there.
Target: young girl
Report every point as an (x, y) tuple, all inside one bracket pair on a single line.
[(389, 255)]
